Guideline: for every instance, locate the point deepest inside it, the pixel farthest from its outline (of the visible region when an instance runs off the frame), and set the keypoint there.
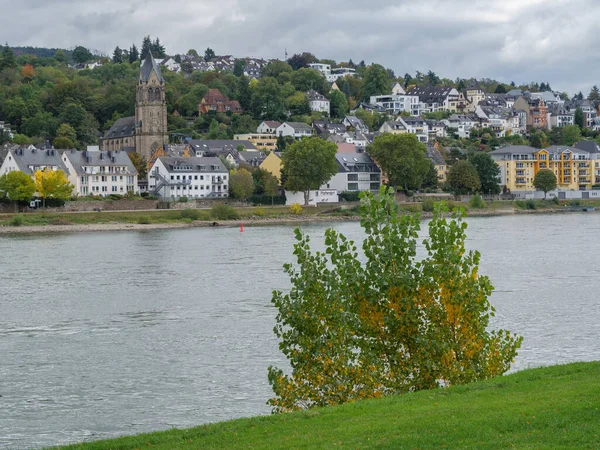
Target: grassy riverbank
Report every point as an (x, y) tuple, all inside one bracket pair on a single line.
[(171, 218), (548, 408)]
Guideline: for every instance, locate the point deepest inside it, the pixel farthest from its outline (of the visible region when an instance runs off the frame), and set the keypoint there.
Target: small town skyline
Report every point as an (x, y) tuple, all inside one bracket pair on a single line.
[(508, 41)]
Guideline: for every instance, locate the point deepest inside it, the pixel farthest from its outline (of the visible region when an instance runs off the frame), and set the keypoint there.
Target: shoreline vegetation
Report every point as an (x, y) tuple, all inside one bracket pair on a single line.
[(551, 407), (74, 222)]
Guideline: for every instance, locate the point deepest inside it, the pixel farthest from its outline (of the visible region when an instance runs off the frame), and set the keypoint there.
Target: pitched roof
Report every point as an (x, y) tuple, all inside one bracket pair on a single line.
[(315, 96), (271, 123), (123, 127), (99, 158), (298, 126), (28, 160), (356, 162), (588, 146), (193, 164), (148, 66), (430, 94), (220, 144), (434, 154), (515, 149), (254, 158)]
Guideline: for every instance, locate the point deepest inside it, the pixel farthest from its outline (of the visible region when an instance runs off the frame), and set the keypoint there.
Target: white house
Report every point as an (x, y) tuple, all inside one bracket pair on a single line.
[(356, 123), (298, 130), (415, 125), (397, 88), (30, 160), (462, 123), (100, 172), (318, 102), (268, 127), (325, 69), (4, 127), (395, 103), (434, 98), (357, 172), (176, 177), (171, 64)]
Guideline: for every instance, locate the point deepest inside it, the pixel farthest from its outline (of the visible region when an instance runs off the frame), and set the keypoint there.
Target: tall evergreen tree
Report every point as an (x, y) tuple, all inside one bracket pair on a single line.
[(158, 50), (7, 58), (117, 55), (594, 94), (133, 54), (146, 47), (579, 118), (209, 54)]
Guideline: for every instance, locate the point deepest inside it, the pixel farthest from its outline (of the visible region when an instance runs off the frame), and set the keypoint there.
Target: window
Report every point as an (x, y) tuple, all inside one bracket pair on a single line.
[(353, 177), (172, 177), (104, 188), (353, 186), (374, 177), (114, 188), (104, 178), (114, 179), (195, 177)]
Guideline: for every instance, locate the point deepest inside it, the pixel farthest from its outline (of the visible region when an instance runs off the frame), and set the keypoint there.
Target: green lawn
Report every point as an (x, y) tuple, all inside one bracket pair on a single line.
[(548, 408)]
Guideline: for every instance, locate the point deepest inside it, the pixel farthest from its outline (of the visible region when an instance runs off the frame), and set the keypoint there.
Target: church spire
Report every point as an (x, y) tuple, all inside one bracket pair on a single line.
[(148, 66)]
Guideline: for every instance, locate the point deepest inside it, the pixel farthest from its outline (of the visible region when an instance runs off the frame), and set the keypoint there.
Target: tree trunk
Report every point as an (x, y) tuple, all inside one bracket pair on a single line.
[(306, 197)]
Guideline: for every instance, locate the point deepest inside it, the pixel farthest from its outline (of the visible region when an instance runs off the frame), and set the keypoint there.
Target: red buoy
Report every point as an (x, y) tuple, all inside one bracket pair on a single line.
[(241, 227)]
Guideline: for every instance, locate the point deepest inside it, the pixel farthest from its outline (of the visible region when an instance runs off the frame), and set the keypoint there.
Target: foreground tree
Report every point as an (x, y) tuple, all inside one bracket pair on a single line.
[(81, 55), (308, 164), (402, 158), (52, 184), (571, 135), (488, 172), (16, 186), (140, 164), (392, 324), (545, 181)]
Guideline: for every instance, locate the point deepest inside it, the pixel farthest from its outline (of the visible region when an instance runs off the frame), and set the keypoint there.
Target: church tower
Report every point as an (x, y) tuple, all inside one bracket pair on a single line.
[(150, 109)]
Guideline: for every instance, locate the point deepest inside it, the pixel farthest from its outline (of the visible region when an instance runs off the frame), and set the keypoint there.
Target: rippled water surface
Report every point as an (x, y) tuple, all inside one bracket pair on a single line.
[(105, 334)]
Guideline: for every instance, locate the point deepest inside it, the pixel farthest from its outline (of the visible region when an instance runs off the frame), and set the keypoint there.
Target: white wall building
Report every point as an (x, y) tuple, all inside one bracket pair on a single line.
[(100, 172), (357, 173), (298, 130), (318, 102), (395, 103), (268, 127), (175, 177), (30, 160)]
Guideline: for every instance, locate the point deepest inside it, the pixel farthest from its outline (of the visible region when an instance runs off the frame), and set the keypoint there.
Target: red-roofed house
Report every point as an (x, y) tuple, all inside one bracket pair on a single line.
[(215, 101)]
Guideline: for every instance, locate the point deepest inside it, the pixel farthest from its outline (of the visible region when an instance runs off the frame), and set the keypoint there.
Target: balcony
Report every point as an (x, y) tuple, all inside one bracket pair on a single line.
[(217, 182), (521, 181)]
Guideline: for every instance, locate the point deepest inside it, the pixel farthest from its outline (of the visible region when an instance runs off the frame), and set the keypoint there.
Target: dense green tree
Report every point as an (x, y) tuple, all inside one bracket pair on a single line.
[(60, 57), (376, 82), (488, 172), (306, 79), (265, 183), (402, 159), (43, 124), (431, 180), (538, 139), (140, 164), (16, 186), (463, 178), (81, 55), (571, 135), (241, 184), (146, 47), (309, 164), (579, 117), (275, 68), (7, 58), (158, 50), (298, 104), (500, 89), (133, 54), (302, 60), (117, 57), (594, 94), (545, 181), (388, 321), (432, 78), (267, 101), (209, 54), (238, 68), (339, 104), (283, 142)]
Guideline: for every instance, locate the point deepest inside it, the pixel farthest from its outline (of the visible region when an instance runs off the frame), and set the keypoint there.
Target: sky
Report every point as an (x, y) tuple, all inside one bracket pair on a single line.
[(507, 40)]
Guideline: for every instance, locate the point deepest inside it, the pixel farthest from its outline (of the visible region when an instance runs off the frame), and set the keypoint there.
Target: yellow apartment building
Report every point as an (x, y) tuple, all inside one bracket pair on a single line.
[(575, 169), (260, 141)]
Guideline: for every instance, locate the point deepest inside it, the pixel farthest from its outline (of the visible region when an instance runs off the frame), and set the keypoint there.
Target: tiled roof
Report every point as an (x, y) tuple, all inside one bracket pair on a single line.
[(123, 127), (99, 158)]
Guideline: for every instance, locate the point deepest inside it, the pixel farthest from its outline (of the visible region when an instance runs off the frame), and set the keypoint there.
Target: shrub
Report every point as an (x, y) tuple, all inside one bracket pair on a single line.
[(183, 199), (17, 221), (144, 220), (428, 205), (224, 212), (192, 214), (476, 202), (115, 196), (575, 203), (296, 209), (556, 201), (267, 200), (531, 204), (520, 204), (261, 212), (350, 196)]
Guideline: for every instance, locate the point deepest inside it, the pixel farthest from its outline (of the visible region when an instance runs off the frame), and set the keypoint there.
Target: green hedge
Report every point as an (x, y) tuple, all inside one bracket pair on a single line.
[(350, 196), (266, 200)]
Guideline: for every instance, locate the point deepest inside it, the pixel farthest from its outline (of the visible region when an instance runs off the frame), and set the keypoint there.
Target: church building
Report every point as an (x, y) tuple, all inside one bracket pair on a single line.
[(147, 130)]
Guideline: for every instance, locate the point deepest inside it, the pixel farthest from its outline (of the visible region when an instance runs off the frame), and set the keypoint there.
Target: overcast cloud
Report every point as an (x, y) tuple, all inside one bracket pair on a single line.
[(510, 40)]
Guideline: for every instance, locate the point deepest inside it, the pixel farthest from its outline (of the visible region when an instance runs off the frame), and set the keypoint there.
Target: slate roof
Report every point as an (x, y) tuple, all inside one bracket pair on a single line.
[(515, 149), (315, 96), (435, 155), (253, 158), (123, 127), (298, 126), (219, 144), (195, 164), (430, 94), (355, 122), (80, 159), (35, 158), (357, 162), (148, 66), (271, 123), (588, 146)]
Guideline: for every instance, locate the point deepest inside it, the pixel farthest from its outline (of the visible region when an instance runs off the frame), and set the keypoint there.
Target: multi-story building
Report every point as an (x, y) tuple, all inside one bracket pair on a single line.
[(216, 102), (325, 69), (30, 160), (559, 116), (100, 172), (318, 102), (298, 130), (260, 141), (357, 172), (575, 169), (438, 162), (172, 178), (535, 109), (434, 98), (395, 103), (462, 124), (268, 127)]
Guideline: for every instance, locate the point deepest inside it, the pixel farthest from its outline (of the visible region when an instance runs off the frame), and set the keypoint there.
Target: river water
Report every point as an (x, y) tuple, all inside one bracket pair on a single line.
[(105, 334)]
